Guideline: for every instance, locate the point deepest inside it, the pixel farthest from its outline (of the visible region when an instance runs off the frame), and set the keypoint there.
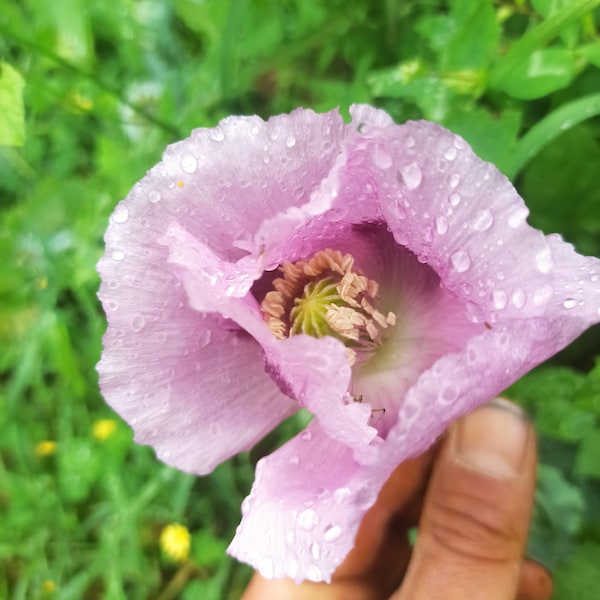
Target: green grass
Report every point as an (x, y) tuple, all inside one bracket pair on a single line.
[(90, 94)]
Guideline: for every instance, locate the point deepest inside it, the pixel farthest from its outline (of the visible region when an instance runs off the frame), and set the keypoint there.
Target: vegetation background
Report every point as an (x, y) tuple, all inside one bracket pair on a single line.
[(90, 94)]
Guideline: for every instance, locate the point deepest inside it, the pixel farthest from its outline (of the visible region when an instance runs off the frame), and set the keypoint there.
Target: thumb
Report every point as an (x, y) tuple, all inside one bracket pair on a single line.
[(473, 529)]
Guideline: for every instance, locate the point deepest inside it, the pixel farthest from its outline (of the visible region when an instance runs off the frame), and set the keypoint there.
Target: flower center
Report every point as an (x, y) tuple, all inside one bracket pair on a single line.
[(322, 296)]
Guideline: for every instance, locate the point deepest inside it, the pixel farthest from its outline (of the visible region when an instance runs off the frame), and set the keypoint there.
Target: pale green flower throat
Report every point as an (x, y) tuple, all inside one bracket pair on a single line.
[(323, 296)]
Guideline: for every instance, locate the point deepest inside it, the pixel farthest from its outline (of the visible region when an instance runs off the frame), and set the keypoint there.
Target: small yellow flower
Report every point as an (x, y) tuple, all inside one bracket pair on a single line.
[(175, 542), (103, 428), (48, 587), (45, 448)]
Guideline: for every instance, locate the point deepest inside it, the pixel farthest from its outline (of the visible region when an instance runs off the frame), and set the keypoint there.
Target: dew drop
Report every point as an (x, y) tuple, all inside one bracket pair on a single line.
[(461, 261), (306, 436), (454, 199), (254, 130), (117, 255), (266, 568), (332, 533), (154, 196), (113, 305), (448, 395), (313, 573), (450, 153), (204, 338), (543, 261), (483, 220), (518, 217), (294, 460), (137, 323), (315, 551), (381, 158), (518, 298), (290, 142), (308, 519), (342, 495), (246, 502), (441, 225), (189, 164), (410, 142), (411, 175), (542, 295), (454, 180), (113, 284), (500, 299), (569, 303), (121, 213), (217, 135)]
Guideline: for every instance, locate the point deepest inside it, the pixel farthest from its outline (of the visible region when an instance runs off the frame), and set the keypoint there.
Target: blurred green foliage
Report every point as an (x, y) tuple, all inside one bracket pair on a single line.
[(106, 87)]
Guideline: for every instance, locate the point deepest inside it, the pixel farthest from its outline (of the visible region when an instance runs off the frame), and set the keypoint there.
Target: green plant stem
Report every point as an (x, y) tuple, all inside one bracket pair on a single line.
[(549, 128), (538, 37)]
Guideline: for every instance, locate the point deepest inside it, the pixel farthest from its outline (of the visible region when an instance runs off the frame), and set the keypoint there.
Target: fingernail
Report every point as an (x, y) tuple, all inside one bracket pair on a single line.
[(493, 439)]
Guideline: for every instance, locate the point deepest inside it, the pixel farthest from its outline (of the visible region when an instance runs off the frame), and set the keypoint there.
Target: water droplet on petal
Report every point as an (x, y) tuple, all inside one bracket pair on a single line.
[(217, 135), (448, 394), (381, 158), (454, 199), (306, 436), (518, 298), (189, 164), (543, 260), (294, 460), (483, 220), (342, 495), (204, 338), (461, 261), (137, 323), (154, 196), (121, 213), (410, 142), (290, 142), (315, 551), (441, 225), (266, 568), (308, 519), (569, 303), (313, 573), (411, 175), (454, 180), (500, 299), (450, 153), (117, 255), (518, 217), (332, 533), (542, 295)]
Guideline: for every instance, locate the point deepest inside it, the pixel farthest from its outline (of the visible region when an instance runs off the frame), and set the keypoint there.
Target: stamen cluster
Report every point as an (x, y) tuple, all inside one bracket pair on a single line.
[(322, 296)]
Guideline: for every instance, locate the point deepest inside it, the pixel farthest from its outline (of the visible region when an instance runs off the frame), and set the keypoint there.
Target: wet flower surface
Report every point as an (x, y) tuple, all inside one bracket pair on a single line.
[(379, 275)]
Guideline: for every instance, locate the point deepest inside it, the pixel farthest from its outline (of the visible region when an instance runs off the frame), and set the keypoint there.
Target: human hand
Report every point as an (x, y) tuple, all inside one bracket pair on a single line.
[(471, 496)]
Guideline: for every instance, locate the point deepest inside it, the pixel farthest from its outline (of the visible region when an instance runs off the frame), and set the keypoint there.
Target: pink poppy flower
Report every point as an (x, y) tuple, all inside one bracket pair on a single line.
[(379, 275)]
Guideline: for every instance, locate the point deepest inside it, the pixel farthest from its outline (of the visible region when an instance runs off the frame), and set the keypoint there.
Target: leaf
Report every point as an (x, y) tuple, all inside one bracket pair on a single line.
[(550, 127), (12, 112), (579, 576), (538, 37), (587, 463), (541, 73)]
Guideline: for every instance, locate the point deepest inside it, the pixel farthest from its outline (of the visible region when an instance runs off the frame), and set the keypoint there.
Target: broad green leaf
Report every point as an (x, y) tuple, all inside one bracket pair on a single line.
[(12, 112), (540, 74), (588, 457), (579, 576)]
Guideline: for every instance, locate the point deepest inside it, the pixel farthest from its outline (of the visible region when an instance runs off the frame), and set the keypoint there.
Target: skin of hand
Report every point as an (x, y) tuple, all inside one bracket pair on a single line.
[(471, 497)]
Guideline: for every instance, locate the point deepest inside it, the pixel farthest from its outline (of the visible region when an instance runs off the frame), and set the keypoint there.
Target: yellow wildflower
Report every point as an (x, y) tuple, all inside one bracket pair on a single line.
[(45, 448), (175, 542), (103, 428)]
